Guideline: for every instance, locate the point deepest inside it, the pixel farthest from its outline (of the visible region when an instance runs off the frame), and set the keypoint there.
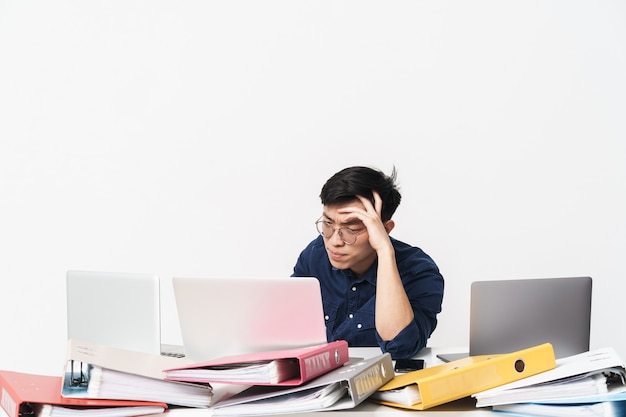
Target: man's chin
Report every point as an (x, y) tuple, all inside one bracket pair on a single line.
[(339, 265)]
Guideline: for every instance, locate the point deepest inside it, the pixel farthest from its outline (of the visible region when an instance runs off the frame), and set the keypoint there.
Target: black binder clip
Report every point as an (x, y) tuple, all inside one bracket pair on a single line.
[(79, 375)]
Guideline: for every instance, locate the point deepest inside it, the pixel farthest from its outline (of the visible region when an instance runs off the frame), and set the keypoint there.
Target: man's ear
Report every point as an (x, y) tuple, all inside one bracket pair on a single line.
[(389, 225)]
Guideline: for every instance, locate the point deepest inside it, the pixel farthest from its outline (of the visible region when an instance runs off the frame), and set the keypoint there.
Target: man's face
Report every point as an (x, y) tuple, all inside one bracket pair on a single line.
[(339, 231)]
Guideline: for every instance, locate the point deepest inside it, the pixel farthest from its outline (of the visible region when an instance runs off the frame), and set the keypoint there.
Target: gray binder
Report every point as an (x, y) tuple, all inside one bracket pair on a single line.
[(358, 379)]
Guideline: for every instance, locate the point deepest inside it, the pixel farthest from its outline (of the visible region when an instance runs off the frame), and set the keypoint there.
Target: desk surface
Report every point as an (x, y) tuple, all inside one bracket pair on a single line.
[(465, 407)]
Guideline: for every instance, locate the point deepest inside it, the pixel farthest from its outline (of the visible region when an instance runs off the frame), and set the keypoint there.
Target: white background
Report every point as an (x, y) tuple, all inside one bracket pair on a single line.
[(193, 137)]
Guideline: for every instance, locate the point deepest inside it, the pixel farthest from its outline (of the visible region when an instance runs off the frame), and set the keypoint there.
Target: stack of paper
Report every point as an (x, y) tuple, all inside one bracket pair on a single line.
[(588, 384), (23, 394), (315, 378), (97, 371), (342, 388), (613, 406), (104, 381), (317, 398), (276, 367)]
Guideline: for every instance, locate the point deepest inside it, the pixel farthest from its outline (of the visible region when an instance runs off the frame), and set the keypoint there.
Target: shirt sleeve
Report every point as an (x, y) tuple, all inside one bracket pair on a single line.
[(424, 286), (302, 267)]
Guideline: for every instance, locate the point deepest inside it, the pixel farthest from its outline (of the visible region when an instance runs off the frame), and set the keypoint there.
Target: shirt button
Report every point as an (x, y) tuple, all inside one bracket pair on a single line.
[(353, 288), (326, 317), (350, 315), (358, 326)]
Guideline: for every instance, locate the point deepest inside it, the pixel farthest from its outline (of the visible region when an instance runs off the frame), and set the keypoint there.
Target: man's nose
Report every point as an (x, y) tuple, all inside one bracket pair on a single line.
[(336, 239)]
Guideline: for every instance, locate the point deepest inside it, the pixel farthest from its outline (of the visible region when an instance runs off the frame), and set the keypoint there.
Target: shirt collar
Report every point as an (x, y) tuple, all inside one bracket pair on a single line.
[(370, 274)]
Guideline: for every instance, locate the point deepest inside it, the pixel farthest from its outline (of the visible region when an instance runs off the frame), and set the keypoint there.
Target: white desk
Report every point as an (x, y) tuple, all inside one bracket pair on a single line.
[(459, 408)]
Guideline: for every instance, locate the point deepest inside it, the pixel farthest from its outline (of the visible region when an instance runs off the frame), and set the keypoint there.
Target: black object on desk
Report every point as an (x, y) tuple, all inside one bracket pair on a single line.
[(408, 365)]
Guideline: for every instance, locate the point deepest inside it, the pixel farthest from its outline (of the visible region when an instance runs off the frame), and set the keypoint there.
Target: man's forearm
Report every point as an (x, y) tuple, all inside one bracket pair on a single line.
[(393, 309)]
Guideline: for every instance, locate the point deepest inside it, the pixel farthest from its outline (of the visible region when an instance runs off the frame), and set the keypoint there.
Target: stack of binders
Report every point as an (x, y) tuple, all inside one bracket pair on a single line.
[(104, 381), (26, 395), (587, 384), (316, 378), (97, 371)]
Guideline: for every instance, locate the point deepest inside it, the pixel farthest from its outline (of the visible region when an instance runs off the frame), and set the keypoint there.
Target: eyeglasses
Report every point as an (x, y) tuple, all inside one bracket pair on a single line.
[(346, 234)]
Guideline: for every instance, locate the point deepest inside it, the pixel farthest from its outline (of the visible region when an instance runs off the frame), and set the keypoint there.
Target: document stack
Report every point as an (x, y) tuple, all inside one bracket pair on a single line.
[(315, 378), (105, 381), (429, 387), (96, 371), (289, 367), (342, 388), (31, 395), (588, 384)]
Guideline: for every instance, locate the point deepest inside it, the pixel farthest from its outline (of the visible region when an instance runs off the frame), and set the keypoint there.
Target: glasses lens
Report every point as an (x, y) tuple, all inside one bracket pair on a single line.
[(326, 229), (323, 228), (347, 235)]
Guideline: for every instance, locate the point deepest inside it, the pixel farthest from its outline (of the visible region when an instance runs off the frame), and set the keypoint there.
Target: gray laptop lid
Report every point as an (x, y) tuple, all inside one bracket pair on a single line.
[(114, 309), (509, 315), (225, 316)]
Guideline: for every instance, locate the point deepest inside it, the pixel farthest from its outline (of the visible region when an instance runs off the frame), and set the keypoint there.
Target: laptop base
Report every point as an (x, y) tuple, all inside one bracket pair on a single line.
[(177, 351)]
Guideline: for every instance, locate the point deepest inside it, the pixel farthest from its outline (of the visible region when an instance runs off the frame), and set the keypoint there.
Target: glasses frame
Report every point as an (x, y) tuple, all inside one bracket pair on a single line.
[(319, 224)]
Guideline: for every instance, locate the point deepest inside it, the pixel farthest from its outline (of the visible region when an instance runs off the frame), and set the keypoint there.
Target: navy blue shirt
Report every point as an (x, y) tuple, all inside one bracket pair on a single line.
[(349, 301)]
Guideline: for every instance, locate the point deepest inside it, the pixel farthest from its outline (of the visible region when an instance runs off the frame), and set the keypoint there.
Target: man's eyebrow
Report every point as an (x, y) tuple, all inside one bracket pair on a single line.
[(350, 223)]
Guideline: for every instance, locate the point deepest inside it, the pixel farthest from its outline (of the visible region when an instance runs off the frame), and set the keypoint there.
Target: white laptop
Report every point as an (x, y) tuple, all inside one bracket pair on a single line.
[(510, 315), (225, 316), (117, 309)]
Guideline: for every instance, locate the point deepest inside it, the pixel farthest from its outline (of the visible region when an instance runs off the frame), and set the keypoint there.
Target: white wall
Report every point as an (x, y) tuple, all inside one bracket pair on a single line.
[(193, 137)]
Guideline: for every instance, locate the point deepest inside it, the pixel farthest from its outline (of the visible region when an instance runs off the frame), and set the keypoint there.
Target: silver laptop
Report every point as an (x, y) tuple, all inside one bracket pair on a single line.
[(509, 315), (117, 309), (228, 316)]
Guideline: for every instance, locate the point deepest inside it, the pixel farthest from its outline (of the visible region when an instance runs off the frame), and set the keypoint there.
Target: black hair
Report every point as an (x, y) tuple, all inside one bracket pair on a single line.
[(355, 181)]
